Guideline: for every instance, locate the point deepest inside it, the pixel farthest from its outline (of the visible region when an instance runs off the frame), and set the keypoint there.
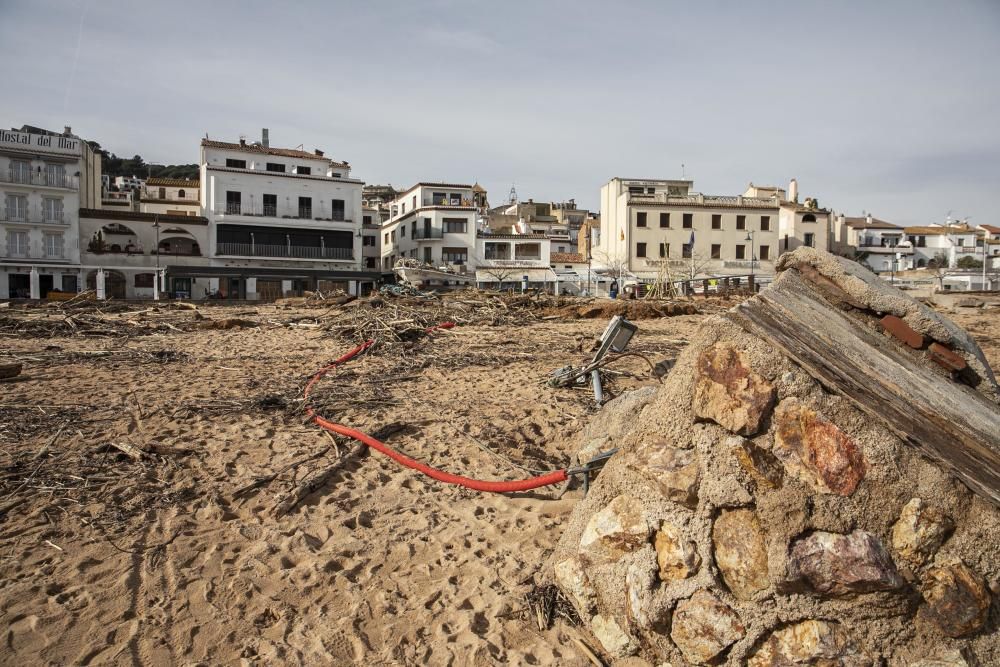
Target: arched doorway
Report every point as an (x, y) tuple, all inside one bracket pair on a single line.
[(114, 238), (114, 284)]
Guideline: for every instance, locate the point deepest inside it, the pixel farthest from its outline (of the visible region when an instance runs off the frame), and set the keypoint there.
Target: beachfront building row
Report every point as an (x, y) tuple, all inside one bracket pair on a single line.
[(652, 229), (259, 223), (45, 179)]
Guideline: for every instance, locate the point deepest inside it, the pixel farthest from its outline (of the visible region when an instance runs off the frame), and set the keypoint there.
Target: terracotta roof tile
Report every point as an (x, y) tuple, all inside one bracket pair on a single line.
[(567, 258), (174, 182), (862, 223)]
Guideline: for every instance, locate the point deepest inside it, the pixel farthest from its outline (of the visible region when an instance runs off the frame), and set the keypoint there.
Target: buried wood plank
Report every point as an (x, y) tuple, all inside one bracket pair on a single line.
[(948, 421)]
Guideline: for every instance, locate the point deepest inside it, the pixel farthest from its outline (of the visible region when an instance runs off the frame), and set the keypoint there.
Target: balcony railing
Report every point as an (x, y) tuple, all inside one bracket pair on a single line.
[(42, 178), (430, 201), (32, 215), (282, 212), (425, 234), (534, 262), (301, 252)]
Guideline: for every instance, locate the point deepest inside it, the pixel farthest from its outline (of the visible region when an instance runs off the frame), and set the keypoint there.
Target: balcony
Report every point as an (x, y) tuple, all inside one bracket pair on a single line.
[(293, 251), (458, 203), (427, 234), (33, 216), (39, 178), (253, 210), (514, 263)]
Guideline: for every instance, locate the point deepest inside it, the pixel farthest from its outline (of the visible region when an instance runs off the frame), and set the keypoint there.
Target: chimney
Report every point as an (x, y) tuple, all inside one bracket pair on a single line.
[(67, 130), (265, 140), (868, 219), (793, 191), (319, 153), (243, 141)]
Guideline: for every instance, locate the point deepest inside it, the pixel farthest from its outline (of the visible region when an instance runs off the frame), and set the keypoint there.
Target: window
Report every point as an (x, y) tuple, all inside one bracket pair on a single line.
[(716, 221), (765, 223), (402, 232), (233, 202), (366, 219), (163, 193), (741, 222), (402, 209), (810, 239), (650, 191), (664, 250), (688, 220), (635, 189), (53, 245), (640, 219), (664, 220), (716, 251), (386, 238), (439, 198), (20, 171), (305, 207), (392, 236), (17, 207), (236, 164), (275, 166), (428, 254), (52, 209), (144, 280), (55, 174), (809, 217), (368, 240), (640, 249), (17, 244), (271, 205), (180, 194), (765, 253), (686, 251), (303, 171), (413, 201), (454, 225), (741, 251), (337, 208), (454, 255), (369, 262)]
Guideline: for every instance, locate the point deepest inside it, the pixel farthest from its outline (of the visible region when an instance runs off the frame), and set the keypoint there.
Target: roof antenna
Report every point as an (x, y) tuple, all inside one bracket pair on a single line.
[(683, 176)]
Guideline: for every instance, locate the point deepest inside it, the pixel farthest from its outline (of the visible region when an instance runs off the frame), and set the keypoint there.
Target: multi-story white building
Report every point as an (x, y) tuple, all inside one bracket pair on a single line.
[(559, 221), (652, 225), (129, 183), (280, 221), (435, 223), (371, 239), (172, 196), (882, 245), (949, 242), (45, 178)]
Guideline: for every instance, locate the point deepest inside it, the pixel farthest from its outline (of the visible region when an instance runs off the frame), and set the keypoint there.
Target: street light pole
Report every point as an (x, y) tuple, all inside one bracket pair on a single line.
[(750, 239), (156, 277)]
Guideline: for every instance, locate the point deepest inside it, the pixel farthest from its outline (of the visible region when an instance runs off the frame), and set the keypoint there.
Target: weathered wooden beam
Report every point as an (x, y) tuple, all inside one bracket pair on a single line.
[(948, 421)]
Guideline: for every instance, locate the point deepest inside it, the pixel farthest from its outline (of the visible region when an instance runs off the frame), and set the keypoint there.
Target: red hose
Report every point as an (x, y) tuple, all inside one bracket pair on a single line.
[(448, 478)]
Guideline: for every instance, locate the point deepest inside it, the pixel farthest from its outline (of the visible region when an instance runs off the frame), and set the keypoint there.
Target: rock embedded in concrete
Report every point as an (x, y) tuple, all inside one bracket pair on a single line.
[(640, 578), (615, 640), (573, 580), (674, 471), (762, 465), (703, 626), (815, 451), (728, 392), (615, 530), (836, 564), (919, 532), (741, 552), (676, 556), (958, 601), (811, 642)]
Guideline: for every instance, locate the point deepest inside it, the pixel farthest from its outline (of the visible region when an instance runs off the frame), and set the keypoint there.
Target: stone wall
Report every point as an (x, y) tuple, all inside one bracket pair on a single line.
[(754, 516)]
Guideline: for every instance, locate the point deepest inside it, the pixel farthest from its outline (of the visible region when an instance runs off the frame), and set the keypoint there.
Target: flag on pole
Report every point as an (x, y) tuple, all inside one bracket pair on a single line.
[(691, 242)]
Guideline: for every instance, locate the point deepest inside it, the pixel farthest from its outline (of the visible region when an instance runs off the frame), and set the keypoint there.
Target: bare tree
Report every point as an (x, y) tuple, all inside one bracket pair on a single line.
[(939, 268)]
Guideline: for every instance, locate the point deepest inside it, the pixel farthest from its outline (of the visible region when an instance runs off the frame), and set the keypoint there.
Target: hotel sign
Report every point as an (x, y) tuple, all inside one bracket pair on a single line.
[(46, 142)]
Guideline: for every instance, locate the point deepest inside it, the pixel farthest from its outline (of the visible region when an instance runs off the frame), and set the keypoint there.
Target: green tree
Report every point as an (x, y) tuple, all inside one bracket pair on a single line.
[(969, 262)]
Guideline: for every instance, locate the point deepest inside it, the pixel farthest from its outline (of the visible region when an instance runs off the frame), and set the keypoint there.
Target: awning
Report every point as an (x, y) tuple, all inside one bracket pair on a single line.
[(266, 272)]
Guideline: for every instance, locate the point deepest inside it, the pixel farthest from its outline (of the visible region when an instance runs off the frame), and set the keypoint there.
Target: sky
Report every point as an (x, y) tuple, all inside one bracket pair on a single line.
[(889, 107)]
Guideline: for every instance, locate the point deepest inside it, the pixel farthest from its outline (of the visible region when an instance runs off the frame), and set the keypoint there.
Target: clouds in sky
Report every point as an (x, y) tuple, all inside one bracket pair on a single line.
[(890, 107)]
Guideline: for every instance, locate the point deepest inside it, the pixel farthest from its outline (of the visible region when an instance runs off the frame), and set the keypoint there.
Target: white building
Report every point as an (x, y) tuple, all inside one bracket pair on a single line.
[(435, 223), (129, 183), (45, 178), (172, 196), (883, 246), (280, 221), (371, 239), (950, 242), (513, 260)]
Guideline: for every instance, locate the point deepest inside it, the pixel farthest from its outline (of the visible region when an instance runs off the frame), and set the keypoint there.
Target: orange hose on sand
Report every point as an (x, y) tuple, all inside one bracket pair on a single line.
[(448, 478)]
